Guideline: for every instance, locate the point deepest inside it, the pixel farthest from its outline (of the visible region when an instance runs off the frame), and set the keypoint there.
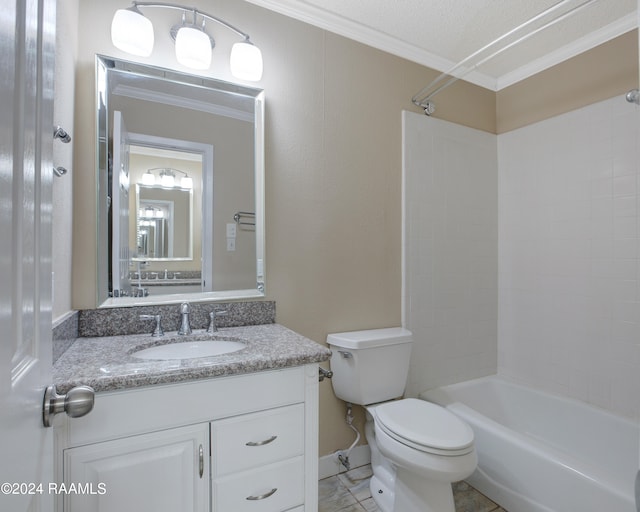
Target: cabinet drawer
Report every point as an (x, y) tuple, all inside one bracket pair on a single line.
[(273, 488), (252, 440)]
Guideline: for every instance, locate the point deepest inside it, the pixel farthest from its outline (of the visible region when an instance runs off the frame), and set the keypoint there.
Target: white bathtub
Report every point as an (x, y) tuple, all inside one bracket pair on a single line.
[(540, 452)]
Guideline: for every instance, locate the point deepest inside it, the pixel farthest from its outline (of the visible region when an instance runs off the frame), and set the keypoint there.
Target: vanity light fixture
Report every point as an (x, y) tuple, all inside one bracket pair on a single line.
[(166, 178), (151, 212), (132, 32), (148, 178)]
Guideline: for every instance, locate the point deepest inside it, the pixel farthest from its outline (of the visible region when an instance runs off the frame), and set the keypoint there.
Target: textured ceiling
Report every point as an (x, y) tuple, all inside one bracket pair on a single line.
[(441, 33)]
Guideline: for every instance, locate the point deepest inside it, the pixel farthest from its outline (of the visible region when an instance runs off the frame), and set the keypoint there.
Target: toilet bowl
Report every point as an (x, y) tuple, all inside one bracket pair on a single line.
[(430, 449), (418, 448)]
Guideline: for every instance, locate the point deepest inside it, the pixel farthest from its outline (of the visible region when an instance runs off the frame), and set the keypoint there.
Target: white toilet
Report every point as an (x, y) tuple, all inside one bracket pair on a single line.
[(417, 448)]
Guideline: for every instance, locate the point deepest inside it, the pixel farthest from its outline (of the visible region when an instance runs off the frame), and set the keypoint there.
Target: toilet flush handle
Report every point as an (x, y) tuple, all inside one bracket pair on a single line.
[(345, 354)]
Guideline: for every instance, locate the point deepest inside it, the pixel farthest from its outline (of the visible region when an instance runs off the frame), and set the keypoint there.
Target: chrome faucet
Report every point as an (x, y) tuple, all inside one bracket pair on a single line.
[(185, 328)]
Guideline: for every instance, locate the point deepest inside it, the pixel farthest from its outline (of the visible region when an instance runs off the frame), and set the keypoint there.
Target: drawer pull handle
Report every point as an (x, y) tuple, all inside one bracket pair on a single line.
[(262, 443), (263, 496)]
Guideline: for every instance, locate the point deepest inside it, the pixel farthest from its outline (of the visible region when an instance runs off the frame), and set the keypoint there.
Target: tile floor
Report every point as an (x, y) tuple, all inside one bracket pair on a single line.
[(349, 492)]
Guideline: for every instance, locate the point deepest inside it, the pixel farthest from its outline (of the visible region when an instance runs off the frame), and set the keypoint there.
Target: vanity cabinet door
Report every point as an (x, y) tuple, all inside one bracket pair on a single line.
[(165, 471)]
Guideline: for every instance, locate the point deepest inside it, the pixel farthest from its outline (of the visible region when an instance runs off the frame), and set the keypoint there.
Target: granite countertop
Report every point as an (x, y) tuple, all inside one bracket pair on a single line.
[(106, 363)]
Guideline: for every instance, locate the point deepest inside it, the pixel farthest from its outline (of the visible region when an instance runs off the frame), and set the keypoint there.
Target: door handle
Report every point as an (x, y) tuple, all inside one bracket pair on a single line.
[(77, 402)]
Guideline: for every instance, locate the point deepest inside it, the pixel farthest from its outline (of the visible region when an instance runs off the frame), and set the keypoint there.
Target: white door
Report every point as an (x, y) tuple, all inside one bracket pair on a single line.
[(120, 208), (638, 111), (27, 38)]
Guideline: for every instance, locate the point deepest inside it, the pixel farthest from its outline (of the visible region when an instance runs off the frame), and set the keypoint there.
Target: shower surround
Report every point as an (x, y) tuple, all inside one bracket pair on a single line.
[(569, 262), (524, 259)]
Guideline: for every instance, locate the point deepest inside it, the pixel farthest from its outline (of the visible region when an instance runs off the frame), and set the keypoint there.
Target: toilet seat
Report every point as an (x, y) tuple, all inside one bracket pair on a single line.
[(425, 426)]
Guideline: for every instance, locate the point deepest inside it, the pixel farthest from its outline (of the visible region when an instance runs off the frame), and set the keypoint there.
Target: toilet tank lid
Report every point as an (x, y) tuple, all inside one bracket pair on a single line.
[(370, 338)]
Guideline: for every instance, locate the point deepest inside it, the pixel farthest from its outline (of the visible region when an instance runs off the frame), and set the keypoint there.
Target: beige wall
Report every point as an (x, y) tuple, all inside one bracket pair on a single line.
[(333, 164), (333, 169), (596, 75)]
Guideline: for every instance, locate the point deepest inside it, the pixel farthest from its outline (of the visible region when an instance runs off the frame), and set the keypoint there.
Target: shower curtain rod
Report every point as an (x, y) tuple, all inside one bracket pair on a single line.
[(423, 97)]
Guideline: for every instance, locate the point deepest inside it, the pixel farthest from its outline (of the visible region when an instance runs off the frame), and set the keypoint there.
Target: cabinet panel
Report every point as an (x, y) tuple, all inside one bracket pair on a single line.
[(147, 458), (272, 488), (158, 472), (118, 414), (257, 439)]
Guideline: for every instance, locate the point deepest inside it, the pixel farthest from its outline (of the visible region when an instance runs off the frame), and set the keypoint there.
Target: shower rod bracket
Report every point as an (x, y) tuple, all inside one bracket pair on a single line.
[(633, 96), (428, 106)]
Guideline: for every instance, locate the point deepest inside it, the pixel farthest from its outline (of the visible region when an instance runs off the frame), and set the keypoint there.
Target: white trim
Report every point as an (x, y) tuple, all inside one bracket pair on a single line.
[(181, 101), (598, 37), (404, 306), (167, 153), (328, 465), (312, 431)]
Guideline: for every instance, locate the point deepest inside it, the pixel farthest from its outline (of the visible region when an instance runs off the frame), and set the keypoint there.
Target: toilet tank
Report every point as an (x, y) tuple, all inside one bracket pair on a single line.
[(370, 366)]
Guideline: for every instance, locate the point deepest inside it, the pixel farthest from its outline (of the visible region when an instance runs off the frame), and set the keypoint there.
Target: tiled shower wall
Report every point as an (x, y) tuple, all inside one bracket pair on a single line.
[(522, 254), (450, 251), (569, 255)]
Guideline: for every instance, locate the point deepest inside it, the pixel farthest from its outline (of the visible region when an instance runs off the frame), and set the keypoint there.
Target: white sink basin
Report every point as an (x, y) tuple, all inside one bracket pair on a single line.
[(189, 349)]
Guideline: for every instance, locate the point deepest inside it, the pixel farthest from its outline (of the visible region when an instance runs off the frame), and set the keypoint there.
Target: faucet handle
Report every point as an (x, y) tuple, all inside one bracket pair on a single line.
[(157, 332), (212, 320)]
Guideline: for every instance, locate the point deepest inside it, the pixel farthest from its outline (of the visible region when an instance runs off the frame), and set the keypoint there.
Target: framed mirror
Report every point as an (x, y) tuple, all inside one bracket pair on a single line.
[(180, 163)]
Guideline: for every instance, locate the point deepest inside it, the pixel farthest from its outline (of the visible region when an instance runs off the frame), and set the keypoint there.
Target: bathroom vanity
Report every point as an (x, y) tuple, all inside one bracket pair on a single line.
[(229, 433)]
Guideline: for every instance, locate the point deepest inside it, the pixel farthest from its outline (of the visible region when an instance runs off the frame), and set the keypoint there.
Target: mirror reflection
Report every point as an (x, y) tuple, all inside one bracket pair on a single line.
[(180, 160), (163, 224)]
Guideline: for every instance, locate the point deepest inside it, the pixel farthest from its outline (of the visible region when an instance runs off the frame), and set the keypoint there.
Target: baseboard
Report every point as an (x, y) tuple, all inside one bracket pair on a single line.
[(329, 465)]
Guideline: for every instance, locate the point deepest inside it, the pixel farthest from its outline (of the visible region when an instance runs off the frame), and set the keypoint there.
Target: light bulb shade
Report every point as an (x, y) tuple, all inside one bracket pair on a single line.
[(193, 48), (246, 61), (167, 181), (148, 179), (132, 32), (186, 182)]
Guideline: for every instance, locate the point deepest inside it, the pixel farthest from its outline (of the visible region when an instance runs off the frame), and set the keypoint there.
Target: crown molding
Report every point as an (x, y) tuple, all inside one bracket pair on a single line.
[(180, 101), (331, 22), (352, 30)]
